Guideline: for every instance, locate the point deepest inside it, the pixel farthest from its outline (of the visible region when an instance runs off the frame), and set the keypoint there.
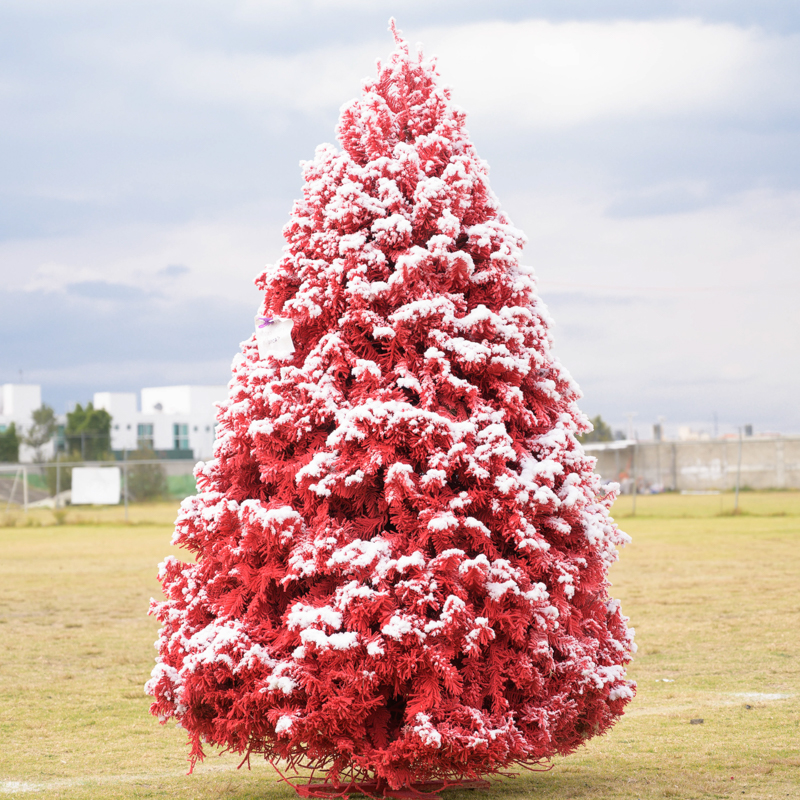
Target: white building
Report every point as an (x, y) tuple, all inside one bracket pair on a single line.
[(177, 419), (18, 401), (173, 418)]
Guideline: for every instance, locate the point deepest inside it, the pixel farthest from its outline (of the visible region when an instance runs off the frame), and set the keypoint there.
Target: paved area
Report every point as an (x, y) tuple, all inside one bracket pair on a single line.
[(6, 486)]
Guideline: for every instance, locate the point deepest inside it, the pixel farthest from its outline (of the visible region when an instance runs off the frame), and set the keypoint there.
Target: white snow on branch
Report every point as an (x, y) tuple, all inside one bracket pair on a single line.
[(429, 736), (402, 625), (318, 466), (304, 616), (442, 521), (284, 725), (360, 554), (337, 641), (365, 366)]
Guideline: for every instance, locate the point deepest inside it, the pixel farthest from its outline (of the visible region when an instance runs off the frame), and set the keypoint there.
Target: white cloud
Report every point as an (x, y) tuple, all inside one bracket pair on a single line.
[(310, 82), (130, 373), (670, 314), (528, 74), (543, 74), (674, 314), (748, 241), (223, 255)]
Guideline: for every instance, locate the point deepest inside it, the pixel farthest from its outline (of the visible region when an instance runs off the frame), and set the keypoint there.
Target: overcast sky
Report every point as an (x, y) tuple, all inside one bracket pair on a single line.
[(149, 158)]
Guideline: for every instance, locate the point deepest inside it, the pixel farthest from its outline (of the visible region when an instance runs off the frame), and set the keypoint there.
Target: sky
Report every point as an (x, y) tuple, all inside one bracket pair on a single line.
[(149, 157)]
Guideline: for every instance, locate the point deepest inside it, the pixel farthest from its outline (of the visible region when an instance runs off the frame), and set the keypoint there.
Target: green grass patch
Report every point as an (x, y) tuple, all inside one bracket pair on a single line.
[(181, 486), (714, 600)]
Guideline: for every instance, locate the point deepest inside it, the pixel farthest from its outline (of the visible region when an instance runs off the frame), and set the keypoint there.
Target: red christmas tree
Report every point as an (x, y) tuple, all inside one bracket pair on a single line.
[(402, 551)]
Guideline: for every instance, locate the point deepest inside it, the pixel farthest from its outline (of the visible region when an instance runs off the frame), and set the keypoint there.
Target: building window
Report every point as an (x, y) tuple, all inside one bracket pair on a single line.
[(144, 436), (60, 439), (181, 435)]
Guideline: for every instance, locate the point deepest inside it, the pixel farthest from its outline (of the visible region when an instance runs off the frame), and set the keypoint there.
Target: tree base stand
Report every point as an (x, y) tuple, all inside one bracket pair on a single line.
[(428, 790)]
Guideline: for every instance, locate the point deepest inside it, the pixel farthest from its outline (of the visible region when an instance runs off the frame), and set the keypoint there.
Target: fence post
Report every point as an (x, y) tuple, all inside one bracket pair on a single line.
[(13, 489), (125, 479), (25, 489), (658, 462), (58, 480), (674, 467), (738, 475), (633, 475)]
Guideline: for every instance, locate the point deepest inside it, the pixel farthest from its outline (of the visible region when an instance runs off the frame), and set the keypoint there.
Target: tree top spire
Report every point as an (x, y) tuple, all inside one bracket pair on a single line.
[(397, 33)]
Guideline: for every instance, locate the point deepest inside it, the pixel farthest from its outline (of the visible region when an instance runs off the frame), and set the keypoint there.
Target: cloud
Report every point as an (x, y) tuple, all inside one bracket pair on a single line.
[(63, 386), (672, 314), (165, 122), (226, 253), (748, 240), (669, 197), (103, 290), (677, 314), (173, 271), (528, 74), (312, 82), (537, 73), (105, 336)]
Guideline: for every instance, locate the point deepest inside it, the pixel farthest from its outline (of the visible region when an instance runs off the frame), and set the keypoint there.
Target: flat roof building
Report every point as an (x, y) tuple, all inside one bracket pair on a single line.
[(17, 402), (176, 421), (174, 418)]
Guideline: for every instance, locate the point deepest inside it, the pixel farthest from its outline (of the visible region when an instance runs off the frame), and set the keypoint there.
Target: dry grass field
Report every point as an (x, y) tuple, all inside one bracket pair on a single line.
[(715, 599)]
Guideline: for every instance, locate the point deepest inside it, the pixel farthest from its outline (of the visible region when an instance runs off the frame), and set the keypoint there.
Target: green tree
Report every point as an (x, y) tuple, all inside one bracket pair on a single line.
[(601, 433), (9, 444), (59, 479), (146, 481), (41, 431), (88, 432)]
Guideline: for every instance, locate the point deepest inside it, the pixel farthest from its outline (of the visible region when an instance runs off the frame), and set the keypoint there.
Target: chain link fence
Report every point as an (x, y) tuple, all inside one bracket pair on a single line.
[(48, 484)]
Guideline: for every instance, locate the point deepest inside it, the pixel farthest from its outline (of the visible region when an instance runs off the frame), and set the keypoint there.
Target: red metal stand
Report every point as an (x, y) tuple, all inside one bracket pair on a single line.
[(416, 791)]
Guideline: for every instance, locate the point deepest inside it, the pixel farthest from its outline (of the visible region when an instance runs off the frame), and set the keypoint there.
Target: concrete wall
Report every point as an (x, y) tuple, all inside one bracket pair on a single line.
[(701, 465)]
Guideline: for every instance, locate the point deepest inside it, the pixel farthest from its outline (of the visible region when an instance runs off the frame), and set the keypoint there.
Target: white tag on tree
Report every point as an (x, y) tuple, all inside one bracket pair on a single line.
[(274, 337)]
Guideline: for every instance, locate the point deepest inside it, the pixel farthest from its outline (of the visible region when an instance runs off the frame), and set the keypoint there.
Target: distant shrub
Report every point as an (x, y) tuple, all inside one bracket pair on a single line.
[(146, 481), (41, 431), (88, 432), (601, 433), (58, 479), (9, 444)]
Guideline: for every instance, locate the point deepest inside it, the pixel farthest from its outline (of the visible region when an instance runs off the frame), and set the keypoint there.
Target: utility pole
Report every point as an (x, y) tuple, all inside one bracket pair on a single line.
[(630, 415), (658, 450)]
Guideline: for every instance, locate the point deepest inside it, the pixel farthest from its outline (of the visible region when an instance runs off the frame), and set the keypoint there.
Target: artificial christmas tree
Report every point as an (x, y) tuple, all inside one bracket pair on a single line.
[(402, 551)]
